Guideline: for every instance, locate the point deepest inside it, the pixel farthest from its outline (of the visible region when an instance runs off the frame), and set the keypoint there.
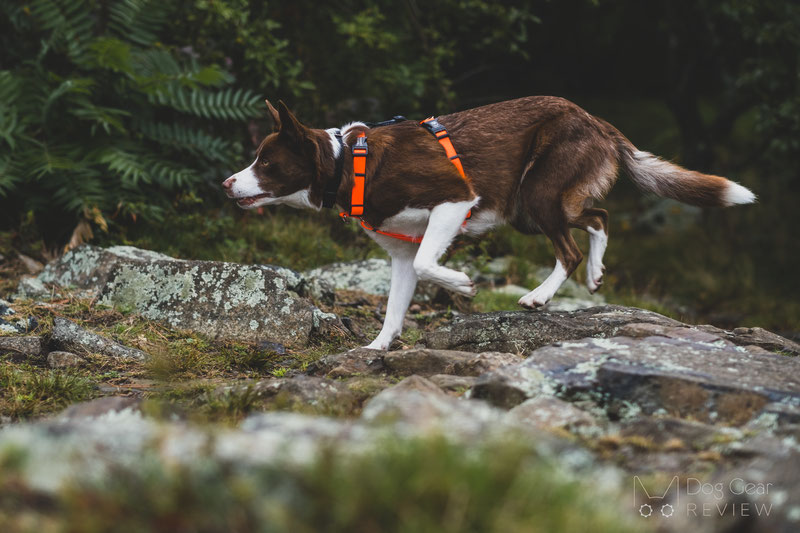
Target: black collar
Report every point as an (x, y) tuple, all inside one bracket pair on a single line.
[(332, 187)]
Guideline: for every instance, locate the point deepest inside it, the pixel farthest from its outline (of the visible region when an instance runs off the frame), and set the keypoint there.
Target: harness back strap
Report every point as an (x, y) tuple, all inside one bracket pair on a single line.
[(439, 131), (360, 151)]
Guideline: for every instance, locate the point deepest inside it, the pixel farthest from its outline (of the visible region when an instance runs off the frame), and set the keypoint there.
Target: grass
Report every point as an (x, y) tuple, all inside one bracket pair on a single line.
[(27, 391), (418, 485)]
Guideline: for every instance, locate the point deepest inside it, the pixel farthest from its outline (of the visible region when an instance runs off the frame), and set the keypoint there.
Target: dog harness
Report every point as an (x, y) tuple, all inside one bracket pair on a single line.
[(361, 149)]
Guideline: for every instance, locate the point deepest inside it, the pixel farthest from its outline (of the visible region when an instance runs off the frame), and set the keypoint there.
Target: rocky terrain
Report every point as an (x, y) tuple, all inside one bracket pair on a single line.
[(207, 366)]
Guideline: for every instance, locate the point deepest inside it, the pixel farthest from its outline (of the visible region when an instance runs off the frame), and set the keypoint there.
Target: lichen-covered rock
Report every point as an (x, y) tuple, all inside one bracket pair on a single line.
[(308, 394), (702, 379), (522, 331), (372, 276), (69, 336), (221, 300), (547, 412), (30, 346), (10, 324)]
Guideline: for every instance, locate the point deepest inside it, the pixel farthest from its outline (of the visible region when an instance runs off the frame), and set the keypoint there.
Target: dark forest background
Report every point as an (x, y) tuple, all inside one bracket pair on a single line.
[(119, 119)]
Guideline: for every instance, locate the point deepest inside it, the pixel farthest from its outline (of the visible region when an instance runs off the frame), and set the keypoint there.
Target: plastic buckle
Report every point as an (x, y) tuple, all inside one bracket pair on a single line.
[(433, 125), (361, 144)]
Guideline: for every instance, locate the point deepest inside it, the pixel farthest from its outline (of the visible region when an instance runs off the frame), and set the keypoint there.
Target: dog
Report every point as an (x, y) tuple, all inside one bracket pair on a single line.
[(536, 163)]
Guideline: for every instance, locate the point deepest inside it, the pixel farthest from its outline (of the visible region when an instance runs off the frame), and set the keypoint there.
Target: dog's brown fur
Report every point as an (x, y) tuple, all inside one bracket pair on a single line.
[(537, 161)]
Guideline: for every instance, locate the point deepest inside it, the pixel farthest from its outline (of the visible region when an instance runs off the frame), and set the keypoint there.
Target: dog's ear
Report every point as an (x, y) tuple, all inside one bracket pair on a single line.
[(290, 127), (276, 118), (301, 136)]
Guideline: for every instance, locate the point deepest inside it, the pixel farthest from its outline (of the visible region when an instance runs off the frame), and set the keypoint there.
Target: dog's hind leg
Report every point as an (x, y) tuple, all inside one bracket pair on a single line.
[(568, 257), (443, 225), (595, 222), (404, 281)]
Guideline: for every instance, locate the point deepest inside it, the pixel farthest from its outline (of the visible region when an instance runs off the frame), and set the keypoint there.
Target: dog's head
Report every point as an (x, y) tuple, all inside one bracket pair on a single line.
[(287, 166)]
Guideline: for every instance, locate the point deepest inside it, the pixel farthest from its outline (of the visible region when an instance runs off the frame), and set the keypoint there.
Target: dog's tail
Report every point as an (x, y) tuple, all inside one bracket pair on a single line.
[(653, 174)]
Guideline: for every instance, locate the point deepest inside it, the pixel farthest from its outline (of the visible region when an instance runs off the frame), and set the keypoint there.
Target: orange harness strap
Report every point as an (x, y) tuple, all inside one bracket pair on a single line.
[(360, 151)]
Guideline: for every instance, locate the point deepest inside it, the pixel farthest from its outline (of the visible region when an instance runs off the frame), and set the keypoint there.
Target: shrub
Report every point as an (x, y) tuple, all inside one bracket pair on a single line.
[(100, 119)]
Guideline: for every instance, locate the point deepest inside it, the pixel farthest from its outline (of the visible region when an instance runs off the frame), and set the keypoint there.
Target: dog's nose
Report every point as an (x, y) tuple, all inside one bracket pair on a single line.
[(228, 184)]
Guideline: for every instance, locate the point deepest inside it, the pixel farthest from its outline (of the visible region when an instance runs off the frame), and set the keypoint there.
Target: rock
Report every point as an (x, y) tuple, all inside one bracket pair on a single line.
[(418, 406), (63, 359), (522, 331), (68, 336), (221, 300), (31, 288), (308, 394), (32, 265), (30, 346), (372, 276), (358, 361), (100, 407), (450, 383), (423, 362), (707, 381), (547, 412), (9, 325), (511, 385), (756, 337)]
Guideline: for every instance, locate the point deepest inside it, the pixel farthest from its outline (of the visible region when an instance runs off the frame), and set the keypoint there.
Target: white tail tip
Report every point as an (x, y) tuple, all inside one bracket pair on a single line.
[(736, 194)]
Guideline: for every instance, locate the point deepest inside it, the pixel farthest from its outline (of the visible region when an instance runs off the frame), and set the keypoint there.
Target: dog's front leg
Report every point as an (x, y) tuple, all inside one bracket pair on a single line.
[(443, 225), (404, 281)]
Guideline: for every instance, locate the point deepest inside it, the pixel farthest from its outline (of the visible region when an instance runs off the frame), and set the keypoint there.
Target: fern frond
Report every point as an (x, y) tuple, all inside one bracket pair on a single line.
[(189, 139), (230, 104), (138, 21)]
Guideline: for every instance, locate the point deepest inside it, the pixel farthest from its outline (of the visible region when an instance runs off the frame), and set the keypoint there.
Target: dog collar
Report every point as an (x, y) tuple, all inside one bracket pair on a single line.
[(332, 187)]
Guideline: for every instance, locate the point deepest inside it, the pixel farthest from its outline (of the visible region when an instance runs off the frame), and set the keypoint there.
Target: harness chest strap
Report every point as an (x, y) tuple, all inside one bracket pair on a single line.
[(360, 151)]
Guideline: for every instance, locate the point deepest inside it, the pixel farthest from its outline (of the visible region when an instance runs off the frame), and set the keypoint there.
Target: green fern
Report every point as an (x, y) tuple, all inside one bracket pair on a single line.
[(107, 117)]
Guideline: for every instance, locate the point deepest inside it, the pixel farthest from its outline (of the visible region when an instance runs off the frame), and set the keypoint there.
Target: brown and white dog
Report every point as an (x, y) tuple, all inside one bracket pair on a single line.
[(535, 163)]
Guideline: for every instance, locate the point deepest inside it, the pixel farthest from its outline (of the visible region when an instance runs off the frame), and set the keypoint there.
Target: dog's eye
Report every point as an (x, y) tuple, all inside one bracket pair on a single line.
[(263, 162)]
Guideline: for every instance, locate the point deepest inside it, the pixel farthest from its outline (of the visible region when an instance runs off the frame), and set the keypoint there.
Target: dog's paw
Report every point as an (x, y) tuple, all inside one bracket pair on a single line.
[(459, 282), (594, 277), (533, 300), (377, 345)]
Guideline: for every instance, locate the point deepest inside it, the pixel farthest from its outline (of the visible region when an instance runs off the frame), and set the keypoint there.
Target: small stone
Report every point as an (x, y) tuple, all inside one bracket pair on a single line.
[(69, 336), (274, 347), (32, 265), (63, 359), (450, 383), (25, 346), (356, 362)]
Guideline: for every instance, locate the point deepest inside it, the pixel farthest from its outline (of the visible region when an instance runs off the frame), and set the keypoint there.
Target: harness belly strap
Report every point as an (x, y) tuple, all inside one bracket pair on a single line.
[(360, 151)]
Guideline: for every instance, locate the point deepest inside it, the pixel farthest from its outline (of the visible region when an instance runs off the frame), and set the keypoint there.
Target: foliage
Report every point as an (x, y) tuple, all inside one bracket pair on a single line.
[(100, 119)]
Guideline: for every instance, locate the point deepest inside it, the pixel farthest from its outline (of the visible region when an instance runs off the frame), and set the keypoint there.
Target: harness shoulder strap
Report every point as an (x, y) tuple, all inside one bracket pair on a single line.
[(360, 151)]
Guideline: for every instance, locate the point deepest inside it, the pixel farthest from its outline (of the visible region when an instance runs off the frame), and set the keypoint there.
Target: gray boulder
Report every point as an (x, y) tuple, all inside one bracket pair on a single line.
[(221, 300), (522, 331), (705, 379)]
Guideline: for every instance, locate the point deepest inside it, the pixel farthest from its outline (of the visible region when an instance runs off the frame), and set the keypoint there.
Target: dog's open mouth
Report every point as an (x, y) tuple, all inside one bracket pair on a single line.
[(250, 200)]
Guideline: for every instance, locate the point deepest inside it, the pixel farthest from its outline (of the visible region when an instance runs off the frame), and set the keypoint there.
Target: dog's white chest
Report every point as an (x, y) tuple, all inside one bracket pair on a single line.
[(409, 221)]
